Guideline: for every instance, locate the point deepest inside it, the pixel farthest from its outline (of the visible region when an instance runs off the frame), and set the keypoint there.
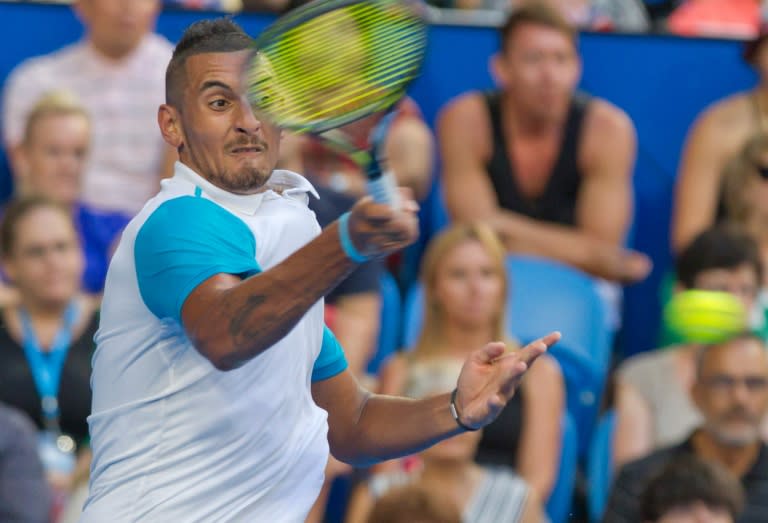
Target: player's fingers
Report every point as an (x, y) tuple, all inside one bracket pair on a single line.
[(512, 373), (379, 213), (489, 352), (533, 350)]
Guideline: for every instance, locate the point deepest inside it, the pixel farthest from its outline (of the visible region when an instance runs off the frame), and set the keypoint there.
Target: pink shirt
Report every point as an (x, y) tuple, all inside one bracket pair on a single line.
[(122, 98), (724, 18)]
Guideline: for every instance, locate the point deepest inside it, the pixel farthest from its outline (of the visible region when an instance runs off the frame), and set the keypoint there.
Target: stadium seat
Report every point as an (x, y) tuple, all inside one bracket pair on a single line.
[(413, 315), (561, 499), (600, 466), (546, 295), (584, 383)]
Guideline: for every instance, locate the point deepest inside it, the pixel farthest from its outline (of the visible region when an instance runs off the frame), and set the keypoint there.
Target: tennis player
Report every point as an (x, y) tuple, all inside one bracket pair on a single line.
[(217, 388)]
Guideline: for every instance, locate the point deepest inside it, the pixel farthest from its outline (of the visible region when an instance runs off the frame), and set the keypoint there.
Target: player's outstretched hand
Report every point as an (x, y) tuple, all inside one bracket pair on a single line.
[(378, 229), (490, 377)]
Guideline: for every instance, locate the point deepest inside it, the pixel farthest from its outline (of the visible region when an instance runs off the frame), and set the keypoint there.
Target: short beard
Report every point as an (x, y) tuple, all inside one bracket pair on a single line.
[(728, 439), (247, 181)]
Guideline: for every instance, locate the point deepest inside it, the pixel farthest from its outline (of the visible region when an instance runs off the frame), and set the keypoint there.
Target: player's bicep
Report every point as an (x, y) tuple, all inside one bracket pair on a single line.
[(343, 399), (184, 243), (607, 185), (469, 194), (204, 297)]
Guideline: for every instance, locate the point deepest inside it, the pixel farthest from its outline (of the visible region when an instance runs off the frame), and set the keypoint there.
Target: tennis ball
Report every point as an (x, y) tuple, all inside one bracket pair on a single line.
[(700, 316)]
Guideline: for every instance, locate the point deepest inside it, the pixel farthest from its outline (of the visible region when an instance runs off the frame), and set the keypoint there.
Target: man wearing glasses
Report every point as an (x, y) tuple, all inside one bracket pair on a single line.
[(731, 391)]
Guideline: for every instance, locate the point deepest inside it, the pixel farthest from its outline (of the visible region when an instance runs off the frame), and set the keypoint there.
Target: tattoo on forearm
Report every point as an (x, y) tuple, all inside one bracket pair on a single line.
[(240, 328), (272, 325)]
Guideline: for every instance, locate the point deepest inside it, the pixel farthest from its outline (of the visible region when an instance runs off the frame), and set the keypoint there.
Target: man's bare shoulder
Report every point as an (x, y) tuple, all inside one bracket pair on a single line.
[(607, 131), (468, 106), (465, 120), (606, 119), (735, 111)]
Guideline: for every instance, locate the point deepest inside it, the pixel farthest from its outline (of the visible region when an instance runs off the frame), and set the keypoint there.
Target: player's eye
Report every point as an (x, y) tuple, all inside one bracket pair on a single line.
[(219, 103)]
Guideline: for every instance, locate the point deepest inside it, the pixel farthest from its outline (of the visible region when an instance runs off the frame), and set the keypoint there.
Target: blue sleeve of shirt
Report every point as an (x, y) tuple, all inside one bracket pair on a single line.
[(184, 242), (331, 360)]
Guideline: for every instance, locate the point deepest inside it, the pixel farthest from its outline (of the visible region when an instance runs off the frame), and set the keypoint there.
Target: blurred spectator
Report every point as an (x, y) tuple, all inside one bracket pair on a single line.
[(50, 162), (745, 191), (600, 15), (594, 15), (24, 494), (653, 403), (447, 469), (465, 288), (691, 490), (414, 505), (352, 308), (46, 341), (718, 134), (117, 71), (719, 18), (408, 150), (229, 6), (549, 168), (731, 392)]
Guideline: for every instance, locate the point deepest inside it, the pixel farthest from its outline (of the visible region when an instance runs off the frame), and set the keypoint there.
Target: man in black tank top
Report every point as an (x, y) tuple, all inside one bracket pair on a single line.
[(548, 166)]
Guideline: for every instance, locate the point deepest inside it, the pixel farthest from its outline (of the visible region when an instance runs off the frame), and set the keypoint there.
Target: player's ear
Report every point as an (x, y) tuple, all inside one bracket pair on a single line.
[(170, 125)]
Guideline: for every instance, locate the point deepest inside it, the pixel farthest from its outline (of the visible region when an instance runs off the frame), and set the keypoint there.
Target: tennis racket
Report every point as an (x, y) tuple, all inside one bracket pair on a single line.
[(331, 62)]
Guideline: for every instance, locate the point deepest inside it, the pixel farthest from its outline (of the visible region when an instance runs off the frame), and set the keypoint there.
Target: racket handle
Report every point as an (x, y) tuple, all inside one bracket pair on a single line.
[(383, 189), (381, 184)]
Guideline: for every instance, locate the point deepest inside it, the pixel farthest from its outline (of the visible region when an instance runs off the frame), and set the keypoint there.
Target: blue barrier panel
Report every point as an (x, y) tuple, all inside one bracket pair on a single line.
[(662, 82)]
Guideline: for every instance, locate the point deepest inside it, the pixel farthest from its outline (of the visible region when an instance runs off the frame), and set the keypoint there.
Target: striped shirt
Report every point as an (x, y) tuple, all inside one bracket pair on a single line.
[(122, 98), (500, 497)]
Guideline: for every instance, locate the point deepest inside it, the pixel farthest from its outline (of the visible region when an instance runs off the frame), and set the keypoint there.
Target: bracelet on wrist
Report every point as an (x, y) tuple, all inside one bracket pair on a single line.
[(455, 413), (346, 241)]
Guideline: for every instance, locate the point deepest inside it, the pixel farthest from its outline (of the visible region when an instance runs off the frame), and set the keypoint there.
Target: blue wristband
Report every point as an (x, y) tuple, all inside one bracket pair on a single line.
[(346, 242)]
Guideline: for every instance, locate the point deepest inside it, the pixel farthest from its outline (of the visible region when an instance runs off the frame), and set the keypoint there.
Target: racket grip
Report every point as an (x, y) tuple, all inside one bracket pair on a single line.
[(383, 189)]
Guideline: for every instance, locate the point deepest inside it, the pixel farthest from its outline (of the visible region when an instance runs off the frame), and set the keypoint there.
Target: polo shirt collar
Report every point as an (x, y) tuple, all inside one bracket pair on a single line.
[(281, 183)]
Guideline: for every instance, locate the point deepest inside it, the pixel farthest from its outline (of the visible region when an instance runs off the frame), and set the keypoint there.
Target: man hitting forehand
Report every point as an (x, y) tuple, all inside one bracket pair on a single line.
[(217, 388)]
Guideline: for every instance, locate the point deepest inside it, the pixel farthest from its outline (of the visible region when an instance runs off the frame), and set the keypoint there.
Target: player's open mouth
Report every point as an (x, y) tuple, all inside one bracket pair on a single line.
[(254, 149)]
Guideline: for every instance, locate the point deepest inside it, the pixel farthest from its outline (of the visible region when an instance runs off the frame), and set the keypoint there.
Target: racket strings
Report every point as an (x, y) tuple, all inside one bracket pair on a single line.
[(397, 50), (303, 98), (379, 47)]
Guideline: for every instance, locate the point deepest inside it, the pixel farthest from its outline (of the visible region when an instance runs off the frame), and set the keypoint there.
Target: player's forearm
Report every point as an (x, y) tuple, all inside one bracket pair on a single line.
[(390, 427), (250, 317)]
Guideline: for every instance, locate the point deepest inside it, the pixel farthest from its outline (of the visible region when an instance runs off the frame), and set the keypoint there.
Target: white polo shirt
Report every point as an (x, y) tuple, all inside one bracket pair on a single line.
[(174, 439)]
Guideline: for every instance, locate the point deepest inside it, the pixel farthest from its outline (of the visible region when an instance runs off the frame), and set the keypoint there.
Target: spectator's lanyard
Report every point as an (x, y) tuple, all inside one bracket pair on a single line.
[(46, 367)]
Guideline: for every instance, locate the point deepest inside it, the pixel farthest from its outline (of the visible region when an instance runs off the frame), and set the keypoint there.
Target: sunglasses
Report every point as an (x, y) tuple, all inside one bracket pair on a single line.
[(722, 382), (762, 170)]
